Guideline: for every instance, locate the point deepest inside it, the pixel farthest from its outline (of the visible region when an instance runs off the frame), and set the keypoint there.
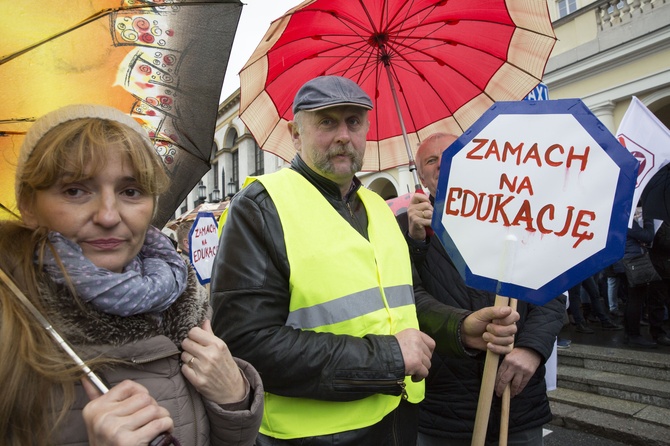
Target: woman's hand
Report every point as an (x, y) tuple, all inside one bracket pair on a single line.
[(126, 415), (210, 367)]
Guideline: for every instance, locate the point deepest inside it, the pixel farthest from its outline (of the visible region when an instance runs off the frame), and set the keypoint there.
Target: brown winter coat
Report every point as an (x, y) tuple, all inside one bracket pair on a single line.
[(149, 348)]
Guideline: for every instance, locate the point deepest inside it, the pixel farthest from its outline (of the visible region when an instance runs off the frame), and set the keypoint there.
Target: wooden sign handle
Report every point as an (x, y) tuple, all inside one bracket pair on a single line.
[(486, 389), (504, 411)]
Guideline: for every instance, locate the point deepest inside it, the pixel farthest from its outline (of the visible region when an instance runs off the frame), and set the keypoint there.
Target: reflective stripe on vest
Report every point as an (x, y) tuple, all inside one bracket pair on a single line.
[(340, 283), (348, 307)]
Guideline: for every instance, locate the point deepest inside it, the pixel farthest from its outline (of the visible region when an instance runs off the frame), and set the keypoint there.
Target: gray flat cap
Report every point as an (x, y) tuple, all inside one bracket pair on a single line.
[(329, 91)]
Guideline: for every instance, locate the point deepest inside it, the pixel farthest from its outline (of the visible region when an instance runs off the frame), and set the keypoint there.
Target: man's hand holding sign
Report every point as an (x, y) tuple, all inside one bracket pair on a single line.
[(531, 200)]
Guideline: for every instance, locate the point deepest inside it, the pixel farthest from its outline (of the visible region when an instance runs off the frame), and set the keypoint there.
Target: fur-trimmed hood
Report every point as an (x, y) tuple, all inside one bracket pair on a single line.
[(80, 323)]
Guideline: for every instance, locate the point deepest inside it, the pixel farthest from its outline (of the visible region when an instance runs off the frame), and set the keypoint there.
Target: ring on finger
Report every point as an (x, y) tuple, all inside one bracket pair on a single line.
[(190, 362)]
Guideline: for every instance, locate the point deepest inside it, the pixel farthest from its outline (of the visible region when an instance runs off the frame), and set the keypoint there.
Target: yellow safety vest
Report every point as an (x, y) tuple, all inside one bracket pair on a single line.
[(340, 283)]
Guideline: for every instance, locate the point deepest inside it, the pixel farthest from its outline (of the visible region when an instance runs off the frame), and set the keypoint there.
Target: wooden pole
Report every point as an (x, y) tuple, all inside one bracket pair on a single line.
[(486, 389), (504, 411)]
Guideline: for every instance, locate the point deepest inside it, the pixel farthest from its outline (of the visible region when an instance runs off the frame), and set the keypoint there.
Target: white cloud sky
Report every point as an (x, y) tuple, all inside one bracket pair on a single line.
[(254, 22)]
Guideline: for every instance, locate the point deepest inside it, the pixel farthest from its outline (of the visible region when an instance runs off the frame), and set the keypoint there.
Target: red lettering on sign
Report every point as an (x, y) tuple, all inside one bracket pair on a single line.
[(495, 208), (204, 253), (580, 157), (480, 143), (553, 156), (205, 230), (511, 185)]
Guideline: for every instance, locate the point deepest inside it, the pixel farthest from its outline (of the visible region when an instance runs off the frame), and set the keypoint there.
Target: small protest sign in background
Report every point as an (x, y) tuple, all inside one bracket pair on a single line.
[(534, 198), (203, 242)]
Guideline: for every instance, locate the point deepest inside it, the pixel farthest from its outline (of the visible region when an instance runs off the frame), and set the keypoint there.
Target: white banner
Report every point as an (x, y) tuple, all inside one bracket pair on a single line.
[(648, 140)]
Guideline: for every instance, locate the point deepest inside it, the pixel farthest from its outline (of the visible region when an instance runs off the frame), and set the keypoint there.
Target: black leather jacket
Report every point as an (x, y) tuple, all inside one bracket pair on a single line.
[(452, 387), (250, 299)]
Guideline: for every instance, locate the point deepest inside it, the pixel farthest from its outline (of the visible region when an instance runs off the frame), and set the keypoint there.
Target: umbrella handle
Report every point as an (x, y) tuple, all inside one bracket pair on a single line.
[(165, 439)]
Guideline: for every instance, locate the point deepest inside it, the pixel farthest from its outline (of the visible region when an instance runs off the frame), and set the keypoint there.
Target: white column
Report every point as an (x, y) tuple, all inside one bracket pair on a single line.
[(605, 113)]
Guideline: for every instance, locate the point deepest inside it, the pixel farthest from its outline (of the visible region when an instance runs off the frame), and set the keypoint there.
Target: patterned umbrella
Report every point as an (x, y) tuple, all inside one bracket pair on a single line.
[(428, 65), (161, 61)]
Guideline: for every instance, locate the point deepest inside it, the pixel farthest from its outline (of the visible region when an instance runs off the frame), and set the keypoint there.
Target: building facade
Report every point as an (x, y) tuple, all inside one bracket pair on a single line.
[(606, 52)]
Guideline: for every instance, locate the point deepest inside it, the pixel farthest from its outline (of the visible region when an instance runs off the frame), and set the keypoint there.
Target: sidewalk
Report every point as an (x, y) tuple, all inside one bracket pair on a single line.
[(603, 338)]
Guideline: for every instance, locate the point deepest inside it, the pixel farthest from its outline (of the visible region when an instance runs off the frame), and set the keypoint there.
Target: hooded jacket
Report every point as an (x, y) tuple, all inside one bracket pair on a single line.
[(147, 347)]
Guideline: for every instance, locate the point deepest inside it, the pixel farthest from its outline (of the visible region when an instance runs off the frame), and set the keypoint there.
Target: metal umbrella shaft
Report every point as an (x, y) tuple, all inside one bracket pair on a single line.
[(54, 334), (410, 155), (163, 439)]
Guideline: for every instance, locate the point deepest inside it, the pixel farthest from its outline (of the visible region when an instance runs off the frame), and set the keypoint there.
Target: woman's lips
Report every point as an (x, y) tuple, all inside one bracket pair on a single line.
[(105, 243)]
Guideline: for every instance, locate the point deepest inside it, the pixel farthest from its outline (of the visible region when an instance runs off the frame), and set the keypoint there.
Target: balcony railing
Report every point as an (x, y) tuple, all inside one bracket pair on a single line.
[(612, 13)]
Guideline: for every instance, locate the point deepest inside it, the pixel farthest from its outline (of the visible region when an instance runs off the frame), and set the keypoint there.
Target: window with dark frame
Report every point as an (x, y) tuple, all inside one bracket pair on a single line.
[(566, 7), (236, 170), (259, 161)]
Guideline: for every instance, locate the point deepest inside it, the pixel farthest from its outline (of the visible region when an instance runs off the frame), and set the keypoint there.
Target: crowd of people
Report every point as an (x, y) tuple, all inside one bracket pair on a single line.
[(327, 320), (610, 297)]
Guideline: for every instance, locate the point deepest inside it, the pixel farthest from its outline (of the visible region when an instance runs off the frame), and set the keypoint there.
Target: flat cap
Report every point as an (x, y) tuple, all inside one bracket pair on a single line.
[(329, 91)]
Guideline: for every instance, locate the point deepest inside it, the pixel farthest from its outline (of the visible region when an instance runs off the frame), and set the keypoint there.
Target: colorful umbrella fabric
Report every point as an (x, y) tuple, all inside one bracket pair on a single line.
[(448, 61), (162, 62)]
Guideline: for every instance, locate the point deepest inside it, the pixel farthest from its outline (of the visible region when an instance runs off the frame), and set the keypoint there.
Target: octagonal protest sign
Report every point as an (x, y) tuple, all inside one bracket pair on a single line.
[(534, 198), (203, 243)]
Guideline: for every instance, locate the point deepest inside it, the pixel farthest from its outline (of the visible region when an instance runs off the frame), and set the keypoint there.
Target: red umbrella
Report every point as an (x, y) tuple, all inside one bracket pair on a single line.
[(429, 65)]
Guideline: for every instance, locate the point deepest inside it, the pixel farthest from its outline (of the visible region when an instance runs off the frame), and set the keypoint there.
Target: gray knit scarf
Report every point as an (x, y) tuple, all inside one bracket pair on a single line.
[(150, 283)]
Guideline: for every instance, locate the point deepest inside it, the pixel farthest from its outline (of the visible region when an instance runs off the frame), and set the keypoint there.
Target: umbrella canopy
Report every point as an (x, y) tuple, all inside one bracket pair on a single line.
[(161, 62), (428, 65), (400, 204)]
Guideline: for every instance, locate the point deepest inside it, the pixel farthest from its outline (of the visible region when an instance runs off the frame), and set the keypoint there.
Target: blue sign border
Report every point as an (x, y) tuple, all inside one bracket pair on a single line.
[(621, 207), (190, 248)]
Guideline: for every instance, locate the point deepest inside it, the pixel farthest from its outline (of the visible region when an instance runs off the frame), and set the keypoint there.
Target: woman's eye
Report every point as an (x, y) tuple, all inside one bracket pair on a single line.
[(132, 193), (73, 192)]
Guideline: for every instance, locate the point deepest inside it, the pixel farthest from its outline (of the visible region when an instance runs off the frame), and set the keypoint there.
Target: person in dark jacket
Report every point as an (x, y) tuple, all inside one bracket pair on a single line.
[(447, 415), (313, 285), (658, 298), (638, 239)]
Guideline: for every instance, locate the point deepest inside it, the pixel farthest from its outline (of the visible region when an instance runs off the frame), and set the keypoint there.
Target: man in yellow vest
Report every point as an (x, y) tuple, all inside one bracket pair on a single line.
[(314, 286)]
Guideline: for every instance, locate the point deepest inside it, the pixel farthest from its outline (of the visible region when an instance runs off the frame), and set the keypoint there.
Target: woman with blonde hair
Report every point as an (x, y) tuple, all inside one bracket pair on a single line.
[(113, 286)]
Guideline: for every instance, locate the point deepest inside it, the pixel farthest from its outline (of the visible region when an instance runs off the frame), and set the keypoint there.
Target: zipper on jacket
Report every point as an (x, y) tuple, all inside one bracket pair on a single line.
[(147, 359), (403, 391), (351, 213), (379, 382), (355, 223)]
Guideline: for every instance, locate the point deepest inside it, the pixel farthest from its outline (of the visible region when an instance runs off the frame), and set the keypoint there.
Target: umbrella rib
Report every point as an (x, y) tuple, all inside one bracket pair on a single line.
[(6, 209), (93, 18)]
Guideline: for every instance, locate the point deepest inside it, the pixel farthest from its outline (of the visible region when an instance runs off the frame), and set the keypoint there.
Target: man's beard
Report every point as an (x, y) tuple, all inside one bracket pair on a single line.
[(324, 161)]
